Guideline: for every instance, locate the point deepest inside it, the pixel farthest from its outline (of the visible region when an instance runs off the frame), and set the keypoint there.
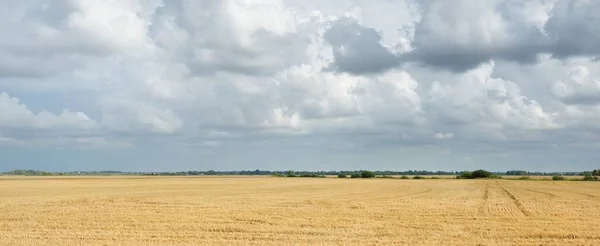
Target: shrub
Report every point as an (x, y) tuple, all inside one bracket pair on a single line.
[(525, 178), (342, 176), (557, 177), (517, 172), (418, 177), (290, 173), (435, 177), (404, 177), (310, 175), (355, 175), (590, 178), (387, 176), (367, 174), (465, 175), (481, 174)]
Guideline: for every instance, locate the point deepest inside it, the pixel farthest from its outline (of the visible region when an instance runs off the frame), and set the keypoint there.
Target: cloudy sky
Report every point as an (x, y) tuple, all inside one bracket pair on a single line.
[(166, 85)]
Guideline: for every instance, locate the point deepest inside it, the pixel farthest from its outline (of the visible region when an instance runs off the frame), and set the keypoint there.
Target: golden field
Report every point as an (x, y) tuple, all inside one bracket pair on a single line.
[(295, 211)]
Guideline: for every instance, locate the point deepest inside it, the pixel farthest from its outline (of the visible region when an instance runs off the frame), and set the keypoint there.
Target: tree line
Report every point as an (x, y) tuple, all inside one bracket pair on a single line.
[(588, 175)]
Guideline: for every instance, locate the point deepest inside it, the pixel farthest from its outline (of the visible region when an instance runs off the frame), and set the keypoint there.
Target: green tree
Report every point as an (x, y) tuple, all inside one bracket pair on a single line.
[(465, 175), (589, 176), (290, 173), (596, 172), (342, 175), (367, 174), (517, 172), (481, 174)]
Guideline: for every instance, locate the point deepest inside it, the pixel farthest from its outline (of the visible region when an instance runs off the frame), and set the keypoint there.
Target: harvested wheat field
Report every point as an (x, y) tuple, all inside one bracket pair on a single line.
[(297, 211)]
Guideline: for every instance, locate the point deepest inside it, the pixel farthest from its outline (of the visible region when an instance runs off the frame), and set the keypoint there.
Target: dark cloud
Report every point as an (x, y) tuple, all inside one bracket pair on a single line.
[(583, 99), (458, 36), (357, 49), (571, 30), (574, 29), (461, 59)]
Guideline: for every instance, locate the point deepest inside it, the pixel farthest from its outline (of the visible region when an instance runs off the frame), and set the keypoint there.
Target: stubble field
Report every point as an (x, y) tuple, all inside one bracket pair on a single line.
[(296, 211)]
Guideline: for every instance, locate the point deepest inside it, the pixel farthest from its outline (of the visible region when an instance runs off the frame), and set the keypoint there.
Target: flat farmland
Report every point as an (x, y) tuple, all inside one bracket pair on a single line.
[(296, 211)]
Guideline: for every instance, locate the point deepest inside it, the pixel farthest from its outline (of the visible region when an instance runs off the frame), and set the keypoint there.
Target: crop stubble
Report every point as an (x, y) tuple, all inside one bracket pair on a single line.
[(281, 211)]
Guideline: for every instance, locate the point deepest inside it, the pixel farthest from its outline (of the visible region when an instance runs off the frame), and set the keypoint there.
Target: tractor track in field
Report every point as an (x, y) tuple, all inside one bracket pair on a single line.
[(556, 190), (548, 194), (483, 205), (417, 193), (515, 201), (588, 195)]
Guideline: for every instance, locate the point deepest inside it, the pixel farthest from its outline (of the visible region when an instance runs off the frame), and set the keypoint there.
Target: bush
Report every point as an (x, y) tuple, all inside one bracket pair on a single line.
[(387, 176), (290, 173), (310, 175), (525, 178), (477, 174), (517, 172), (367, 174), (404, 177), (435, 177), (465, 175), (418, 177), (590, 178), (481, 174), (355, 175), (342, 176), (556, 177)]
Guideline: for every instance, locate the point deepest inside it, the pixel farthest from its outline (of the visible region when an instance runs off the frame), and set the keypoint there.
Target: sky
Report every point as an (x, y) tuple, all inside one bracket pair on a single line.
[(169, 85)]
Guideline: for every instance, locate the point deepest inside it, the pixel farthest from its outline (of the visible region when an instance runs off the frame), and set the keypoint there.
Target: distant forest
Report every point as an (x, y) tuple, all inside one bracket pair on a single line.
[(276, 173)]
